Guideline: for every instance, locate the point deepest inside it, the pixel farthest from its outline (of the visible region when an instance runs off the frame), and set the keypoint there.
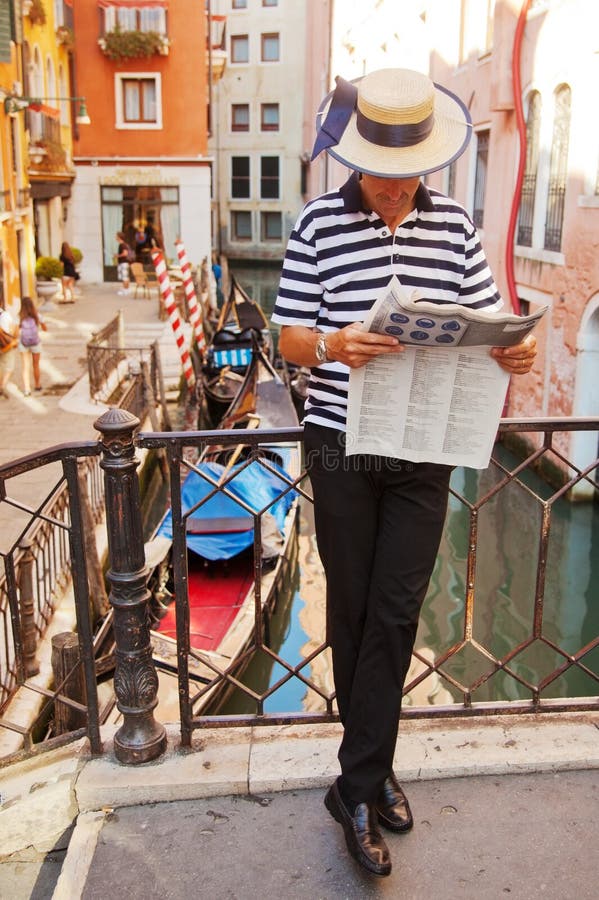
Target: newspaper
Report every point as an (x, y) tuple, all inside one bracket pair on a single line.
[(437, 401), (414, 321)]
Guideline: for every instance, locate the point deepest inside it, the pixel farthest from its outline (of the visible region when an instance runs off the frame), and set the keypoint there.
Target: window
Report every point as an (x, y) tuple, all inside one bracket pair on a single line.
[(240, 48), (269, 178), (271, 227), (139, 99), (480, 178), (558, 169), (269, 117), (239, 4), (270, 2), (141, 18), (529, 180), (240, 117), (6, 32), (59, 13), (270, 48), (240, 177), (241, 225)]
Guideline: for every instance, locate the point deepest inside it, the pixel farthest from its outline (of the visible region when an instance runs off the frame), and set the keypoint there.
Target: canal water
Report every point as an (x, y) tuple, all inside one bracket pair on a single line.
[(509, 531)]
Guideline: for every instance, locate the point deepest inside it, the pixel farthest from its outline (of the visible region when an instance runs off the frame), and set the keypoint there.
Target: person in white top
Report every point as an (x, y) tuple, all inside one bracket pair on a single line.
[(7, 358)]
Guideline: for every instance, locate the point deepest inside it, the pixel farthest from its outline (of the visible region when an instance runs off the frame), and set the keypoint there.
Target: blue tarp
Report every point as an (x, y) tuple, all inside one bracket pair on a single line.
[(254, 485)]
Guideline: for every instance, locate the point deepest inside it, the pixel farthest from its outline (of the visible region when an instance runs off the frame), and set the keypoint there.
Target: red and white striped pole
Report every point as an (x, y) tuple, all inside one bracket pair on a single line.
[(173, 313), (195, 313)]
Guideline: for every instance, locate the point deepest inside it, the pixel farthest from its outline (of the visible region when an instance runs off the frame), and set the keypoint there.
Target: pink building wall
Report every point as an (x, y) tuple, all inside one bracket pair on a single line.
[(558, 48)]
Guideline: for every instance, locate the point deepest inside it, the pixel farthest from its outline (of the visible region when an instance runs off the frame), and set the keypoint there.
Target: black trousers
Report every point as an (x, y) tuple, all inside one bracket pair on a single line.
[(378, 523)]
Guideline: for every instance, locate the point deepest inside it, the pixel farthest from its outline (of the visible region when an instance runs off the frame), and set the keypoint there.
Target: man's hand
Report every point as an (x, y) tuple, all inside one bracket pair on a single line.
[(355, 347), (518, 359)]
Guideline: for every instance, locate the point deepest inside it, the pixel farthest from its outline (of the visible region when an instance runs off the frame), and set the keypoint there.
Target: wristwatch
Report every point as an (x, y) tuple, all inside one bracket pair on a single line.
[(321, 348)]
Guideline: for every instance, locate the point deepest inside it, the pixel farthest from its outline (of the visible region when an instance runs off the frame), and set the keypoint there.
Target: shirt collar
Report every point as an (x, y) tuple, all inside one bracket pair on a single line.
[(352, 196)]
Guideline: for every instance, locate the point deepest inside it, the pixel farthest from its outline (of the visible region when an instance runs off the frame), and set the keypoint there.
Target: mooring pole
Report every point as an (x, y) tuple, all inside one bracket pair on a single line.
[(140, 738)]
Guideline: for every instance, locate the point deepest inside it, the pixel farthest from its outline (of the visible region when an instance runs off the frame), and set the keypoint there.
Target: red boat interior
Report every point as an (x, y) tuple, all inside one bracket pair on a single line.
[(216, 592)]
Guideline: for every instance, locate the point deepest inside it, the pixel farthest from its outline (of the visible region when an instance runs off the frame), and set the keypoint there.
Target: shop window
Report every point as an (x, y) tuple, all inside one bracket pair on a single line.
[(241, 225), (148, 216), (240, 177), (269, 117)]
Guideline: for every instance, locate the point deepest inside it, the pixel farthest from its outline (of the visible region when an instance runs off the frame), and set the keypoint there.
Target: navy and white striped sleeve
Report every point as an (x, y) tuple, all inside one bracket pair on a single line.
[(300, 292)]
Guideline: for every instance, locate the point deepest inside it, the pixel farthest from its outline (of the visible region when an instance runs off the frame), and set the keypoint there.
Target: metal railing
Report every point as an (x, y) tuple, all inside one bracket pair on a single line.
[(126, 376), (42, 550), (474, 656)]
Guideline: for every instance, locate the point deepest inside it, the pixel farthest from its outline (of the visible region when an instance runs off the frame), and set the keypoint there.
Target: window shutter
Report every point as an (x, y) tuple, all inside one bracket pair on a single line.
[(6, 22)]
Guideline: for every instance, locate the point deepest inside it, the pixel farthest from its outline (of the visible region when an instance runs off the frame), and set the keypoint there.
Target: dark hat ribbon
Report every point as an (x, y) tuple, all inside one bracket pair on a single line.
[(339, 114)]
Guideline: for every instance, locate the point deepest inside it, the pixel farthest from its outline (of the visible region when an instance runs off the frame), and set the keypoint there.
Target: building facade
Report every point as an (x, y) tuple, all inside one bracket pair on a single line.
[(36, 122), (142, 165), (262, 121)]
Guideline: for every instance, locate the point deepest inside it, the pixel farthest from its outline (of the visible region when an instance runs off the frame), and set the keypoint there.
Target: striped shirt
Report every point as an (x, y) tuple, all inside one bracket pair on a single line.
[(340, 256)]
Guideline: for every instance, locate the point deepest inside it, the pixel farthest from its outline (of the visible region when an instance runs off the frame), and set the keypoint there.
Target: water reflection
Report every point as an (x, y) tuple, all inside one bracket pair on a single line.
[(505, 585)]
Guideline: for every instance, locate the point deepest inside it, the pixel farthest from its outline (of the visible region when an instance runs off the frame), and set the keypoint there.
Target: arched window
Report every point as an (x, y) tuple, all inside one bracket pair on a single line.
[(35, 80), (529, 181), (51, 82), (558, 169)]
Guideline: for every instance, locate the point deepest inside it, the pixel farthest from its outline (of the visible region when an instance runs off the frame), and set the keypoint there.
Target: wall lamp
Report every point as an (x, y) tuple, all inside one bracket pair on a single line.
[(13, 104)]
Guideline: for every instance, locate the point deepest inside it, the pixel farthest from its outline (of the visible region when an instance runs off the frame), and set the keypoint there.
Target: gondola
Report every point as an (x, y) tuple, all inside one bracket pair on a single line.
[(221, 568), (241, 325)]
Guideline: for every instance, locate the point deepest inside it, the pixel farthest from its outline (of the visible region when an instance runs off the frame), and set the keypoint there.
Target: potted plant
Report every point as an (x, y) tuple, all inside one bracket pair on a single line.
[(65, 36), (36, 12), (48, 269), (119, 45)]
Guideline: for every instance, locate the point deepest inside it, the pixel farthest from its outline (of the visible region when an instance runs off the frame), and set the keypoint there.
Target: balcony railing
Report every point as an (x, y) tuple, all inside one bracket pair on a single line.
[(534, 660), (42, 127)]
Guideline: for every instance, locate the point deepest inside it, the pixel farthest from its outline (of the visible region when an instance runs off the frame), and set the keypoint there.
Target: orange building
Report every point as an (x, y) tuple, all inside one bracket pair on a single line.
[(36, 117), (142, 164)]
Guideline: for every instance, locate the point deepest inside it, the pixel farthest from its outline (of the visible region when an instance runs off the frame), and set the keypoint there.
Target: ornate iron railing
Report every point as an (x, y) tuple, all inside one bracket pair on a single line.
[(40, 553), (125, 376), (538, 656)]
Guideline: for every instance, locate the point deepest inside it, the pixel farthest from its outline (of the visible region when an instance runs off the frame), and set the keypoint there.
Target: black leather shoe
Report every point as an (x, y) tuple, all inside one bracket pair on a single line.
[(392, 807), (362, 836)]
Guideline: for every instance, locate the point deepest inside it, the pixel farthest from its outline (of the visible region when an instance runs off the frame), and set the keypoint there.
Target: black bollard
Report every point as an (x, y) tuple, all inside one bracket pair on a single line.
[(140, 738)]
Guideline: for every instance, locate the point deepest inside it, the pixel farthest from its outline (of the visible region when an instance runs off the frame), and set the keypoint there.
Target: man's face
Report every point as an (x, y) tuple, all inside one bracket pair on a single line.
[(391, 198)]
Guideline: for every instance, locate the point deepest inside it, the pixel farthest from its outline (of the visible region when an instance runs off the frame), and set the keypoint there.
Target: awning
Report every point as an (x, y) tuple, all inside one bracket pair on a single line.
[(49, 111), (104, 4)]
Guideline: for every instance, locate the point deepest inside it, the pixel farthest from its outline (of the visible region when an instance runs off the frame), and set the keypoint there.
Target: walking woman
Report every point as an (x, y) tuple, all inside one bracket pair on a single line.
[(69, 274), (30, 347)]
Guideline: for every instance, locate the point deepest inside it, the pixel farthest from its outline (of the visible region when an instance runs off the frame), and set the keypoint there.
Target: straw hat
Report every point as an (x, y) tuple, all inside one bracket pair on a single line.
[(394, 123)]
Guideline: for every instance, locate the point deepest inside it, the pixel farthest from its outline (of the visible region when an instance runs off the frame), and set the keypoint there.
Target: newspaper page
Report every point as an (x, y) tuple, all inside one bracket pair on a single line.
[(422, 323), (440, 402)]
